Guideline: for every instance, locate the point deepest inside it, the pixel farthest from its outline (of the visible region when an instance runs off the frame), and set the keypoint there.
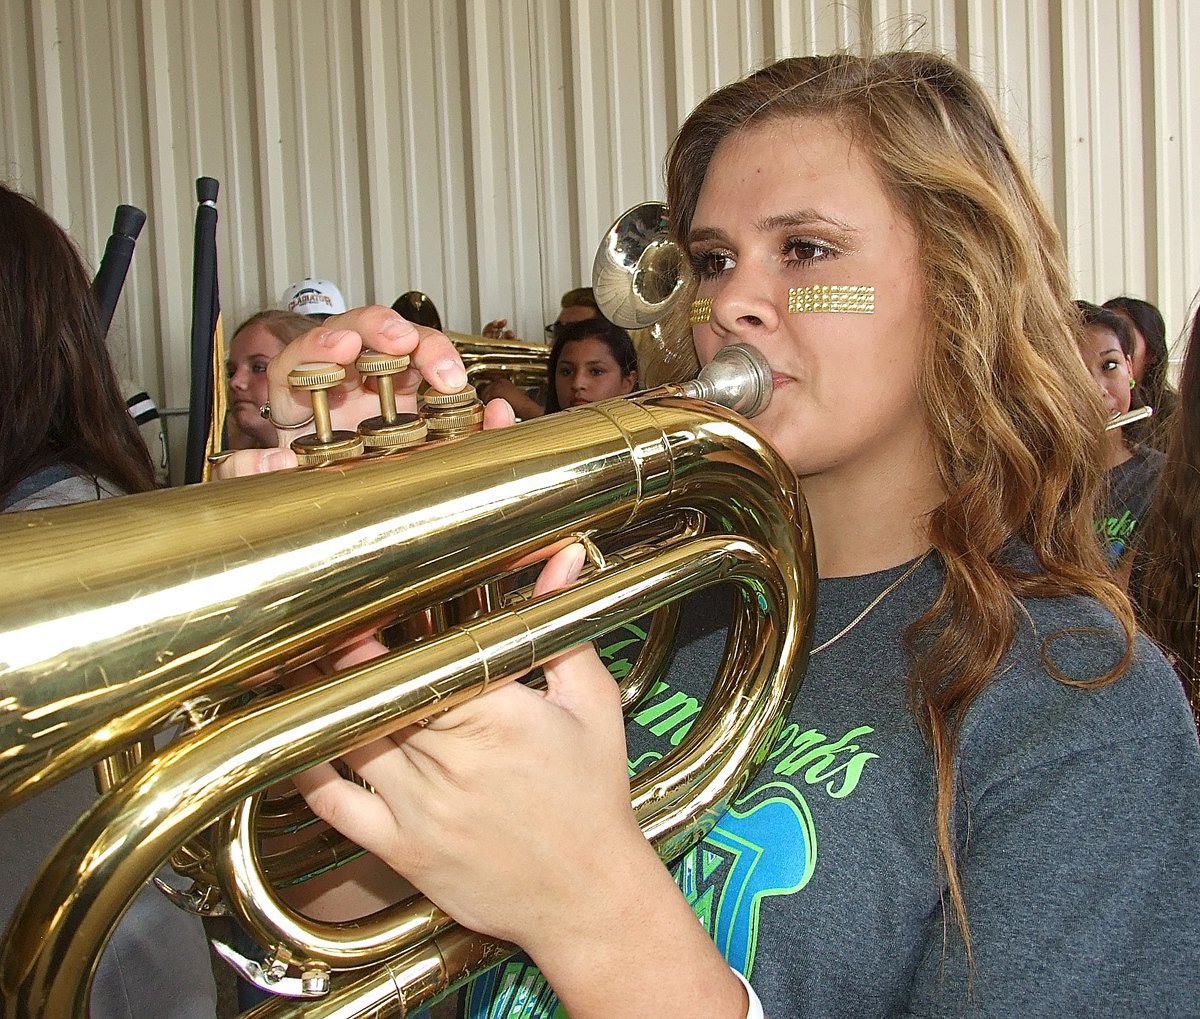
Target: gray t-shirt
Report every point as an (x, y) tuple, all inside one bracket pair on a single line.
[(1129, 493), (57, 485), (1081, 873)]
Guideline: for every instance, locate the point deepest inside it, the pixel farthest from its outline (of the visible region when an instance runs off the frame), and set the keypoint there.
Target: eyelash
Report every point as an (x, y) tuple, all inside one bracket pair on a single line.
[(795, 243), (703, 262), (567, 370), (256, 368)]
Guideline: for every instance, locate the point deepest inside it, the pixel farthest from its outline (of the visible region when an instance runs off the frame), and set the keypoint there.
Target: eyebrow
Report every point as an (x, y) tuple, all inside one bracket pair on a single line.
[(799, 218)]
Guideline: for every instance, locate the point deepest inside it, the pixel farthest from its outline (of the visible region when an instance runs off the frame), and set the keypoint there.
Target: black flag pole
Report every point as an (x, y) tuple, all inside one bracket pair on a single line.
[(114, 266), (206, 323)]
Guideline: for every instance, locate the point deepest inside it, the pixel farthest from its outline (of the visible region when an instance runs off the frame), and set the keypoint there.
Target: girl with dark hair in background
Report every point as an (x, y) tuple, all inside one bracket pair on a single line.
[(67, 437), (1133, 466), (1148, 357), (577, 305), (591, 360)]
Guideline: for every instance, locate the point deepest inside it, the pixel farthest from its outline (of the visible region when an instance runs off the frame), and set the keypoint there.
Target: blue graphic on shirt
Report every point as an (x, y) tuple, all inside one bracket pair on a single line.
[(768, 849), (513, 990), (765, 845)]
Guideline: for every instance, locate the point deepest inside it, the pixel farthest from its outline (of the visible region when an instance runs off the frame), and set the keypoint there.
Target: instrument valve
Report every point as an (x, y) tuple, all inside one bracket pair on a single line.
[(452, 415), (382, 436), (391, 430), (324, 445), (314, 980)]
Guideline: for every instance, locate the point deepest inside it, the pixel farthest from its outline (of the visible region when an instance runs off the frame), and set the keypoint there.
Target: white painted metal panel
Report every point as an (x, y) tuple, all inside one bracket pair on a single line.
[(1172, 222), (476, 149)]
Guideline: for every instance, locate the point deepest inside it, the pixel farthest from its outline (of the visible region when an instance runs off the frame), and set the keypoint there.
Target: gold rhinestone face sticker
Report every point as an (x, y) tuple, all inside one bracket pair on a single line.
[(826, 298), (701, 311)]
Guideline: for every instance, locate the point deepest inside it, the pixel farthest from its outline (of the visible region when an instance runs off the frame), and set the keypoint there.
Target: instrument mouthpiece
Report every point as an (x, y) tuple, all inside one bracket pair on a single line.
[(1129, 418), (738, 377)]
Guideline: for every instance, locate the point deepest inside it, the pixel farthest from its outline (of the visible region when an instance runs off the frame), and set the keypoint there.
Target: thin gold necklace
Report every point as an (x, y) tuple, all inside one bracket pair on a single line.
[(873, 603)]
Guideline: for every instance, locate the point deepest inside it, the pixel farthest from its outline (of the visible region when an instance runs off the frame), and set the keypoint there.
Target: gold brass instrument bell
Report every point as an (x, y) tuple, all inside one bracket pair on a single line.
[(637, 280), (127, 616), (637, 273)]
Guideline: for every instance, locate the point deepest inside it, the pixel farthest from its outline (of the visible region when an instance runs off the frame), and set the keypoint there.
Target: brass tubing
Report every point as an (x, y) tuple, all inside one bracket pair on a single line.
[(523, 363), (247, 890), (91, 655), (67, 917), (414, 980)]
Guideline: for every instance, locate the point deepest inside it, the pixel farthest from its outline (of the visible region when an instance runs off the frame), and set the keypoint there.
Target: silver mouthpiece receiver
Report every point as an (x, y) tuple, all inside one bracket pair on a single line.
[(738, 377)]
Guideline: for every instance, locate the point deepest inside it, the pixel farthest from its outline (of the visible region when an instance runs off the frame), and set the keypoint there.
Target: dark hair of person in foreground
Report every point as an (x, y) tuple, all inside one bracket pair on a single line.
[(62, 400)]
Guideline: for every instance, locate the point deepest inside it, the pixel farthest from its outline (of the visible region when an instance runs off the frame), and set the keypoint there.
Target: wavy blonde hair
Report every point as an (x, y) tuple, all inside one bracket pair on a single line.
[(1013, 418)]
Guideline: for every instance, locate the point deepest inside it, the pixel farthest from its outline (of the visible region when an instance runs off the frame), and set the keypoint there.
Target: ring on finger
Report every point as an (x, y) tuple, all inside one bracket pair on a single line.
[(265, 412)]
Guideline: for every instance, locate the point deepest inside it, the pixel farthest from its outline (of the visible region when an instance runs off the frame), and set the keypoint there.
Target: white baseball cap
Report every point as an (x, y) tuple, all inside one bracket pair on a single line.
[(313, 297)]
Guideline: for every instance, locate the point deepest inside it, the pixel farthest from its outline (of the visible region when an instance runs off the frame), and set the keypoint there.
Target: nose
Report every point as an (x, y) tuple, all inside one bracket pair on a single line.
[(746, 302), (579, 381), (239, 381)]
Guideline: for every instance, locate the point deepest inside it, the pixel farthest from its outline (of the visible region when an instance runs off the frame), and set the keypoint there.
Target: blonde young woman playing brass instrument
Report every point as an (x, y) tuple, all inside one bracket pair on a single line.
[(987, 797)]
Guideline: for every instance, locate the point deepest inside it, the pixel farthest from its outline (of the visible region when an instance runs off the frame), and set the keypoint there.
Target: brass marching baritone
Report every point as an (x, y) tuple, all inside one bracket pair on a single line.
[(122, 616), (127, 617), (525, 364), (484, 357)]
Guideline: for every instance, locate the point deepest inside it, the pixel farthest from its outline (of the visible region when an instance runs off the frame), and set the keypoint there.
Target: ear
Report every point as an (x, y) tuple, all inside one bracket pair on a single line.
[(628, 382)]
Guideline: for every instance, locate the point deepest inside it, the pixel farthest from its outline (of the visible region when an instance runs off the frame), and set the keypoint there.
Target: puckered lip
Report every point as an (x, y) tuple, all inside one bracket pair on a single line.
[(778, 379)]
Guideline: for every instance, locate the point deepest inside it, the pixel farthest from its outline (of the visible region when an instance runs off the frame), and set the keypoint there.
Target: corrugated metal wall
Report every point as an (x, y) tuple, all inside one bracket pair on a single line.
[(477, 149)]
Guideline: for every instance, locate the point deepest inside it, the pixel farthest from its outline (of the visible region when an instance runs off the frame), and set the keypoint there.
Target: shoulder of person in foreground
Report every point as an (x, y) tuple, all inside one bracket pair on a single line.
[(1077, 830), (1046, 694), (57, 485)]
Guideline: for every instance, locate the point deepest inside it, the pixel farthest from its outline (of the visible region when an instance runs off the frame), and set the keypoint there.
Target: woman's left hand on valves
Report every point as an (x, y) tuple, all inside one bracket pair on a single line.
[(504, 809)]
